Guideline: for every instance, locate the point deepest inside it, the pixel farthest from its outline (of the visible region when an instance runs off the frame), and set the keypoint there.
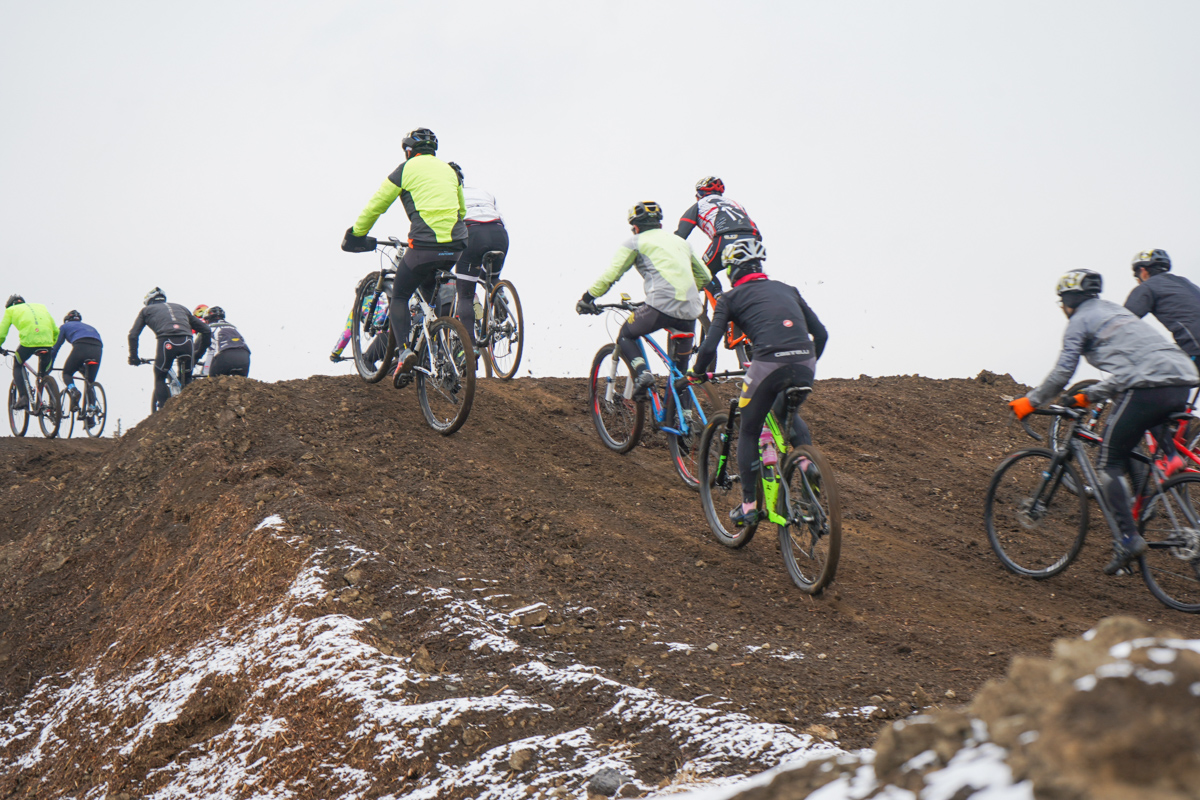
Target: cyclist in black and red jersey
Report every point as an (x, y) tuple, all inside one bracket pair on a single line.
[(172, 325), (721, 219), (788, 339)]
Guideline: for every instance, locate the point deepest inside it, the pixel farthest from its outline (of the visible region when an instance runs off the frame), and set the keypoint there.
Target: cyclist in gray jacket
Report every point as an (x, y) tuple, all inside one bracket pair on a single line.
[(1172, 299), (1148, 376)]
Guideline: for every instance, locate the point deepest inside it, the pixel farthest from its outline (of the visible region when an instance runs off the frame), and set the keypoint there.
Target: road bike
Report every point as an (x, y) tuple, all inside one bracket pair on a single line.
[(446, 363), (43, 398), (735, 338), (499, 323), (619, 413), (94, 412), (1036, 523), (799, 493), (174, 384)]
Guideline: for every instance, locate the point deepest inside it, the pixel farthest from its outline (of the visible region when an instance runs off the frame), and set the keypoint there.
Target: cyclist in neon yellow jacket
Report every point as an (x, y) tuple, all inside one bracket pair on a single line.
[(37, 331), (432, 197), (673, 277)]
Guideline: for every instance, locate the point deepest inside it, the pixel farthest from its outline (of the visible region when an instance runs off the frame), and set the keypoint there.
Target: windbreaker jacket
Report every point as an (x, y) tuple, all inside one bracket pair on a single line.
[(432, 197), (168, 319), (672, 273), (1115, 341), (481, 207), (33, 323), (1175, 302)]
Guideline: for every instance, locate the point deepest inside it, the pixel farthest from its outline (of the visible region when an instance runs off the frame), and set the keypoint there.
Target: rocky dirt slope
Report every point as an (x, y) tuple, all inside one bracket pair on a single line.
[(299, 590)]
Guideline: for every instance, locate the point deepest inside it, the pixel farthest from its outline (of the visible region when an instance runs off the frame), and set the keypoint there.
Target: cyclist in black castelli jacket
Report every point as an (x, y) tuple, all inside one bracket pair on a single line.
[(721, 219), (173, 325), (788, 339), (230, 353), (1172, 299)]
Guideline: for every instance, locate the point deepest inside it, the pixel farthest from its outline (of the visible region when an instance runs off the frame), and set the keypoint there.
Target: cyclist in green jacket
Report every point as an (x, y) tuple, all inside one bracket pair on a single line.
[(433, 199), (37, 331)]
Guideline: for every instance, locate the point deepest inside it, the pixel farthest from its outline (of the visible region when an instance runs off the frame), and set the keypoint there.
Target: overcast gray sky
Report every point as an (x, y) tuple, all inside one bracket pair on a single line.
[(923, 171)]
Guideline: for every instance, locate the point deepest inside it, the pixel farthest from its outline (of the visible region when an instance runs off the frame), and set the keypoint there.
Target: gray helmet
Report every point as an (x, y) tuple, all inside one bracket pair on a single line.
[(743, 257), (155, 295)]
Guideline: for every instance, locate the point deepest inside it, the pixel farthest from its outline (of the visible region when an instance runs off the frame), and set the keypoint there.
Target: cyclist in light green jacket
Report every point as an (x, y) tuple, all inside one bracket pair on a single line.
[(673, 277), (37, 331)]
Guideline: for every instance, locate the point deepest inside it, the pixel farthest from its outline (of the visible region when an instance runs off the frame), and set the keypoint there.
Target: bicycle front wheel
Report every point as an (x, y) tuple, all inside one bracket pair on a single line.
[(617, 415), (49, 408), (505, 330), (1035, 523), (95, 412), (18, 420), (811, 542), (685, 447), (719, 497), (446, 375), (1171, 527), (68, 414), (363, 334)]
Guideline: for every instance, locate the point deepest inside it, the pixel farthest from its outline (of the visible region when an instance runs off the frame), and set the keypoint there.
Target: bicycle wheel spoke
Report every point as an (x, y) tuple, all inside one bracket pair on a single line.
[(617, 416), (445, 375), (811, 539)]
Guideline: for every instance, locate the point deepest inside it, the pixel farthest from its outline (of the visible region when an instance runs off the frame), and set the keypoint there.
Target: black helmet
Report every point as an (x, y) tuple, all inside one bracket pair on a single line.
[(646, 214), (422, 140), (1079, 285), (743, 257), (710, 184), (214, 313), (1153, 261), (155, 295), (457, 171), (73, 316), (13, 300)]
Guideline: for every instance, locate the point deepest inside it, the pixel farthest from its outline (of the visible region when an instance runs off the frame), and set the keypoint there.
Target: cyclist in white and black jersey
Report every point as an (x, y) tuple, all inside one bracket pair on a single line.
[(229, 351), (173, 325), (720, 219), (485, 233)]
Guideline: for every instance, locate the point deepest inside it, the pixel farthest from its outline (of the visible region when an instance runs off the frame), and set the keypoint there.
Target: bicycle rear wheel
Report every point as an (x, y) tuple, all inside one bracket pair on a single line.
[(95, 413), (1035, 525), (619, 419), (363, 333), (505, 330), (68, 414), (49, 408), (17, 420), (718, 498), (811, 542), (1171, 527), (445, 373)]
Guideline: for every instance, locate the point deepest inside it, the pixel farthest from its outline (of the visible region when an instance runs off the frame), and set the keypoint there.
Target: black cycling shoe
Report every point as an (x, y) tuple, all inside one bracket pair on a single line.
[(21, 404), (643, 382), (740, 518), (1124, 554)]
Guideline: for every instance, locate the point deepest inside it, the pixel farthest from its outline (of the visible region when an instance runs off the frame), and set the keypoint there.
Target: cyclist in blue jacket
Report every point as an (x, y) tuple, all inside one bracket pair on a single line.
[(86, 350)]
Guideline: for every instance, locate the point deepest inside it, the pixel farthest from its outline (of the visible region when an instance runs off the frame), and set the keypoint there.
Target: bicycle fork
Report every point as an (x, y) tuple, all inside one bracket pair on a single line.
[(610, 380)]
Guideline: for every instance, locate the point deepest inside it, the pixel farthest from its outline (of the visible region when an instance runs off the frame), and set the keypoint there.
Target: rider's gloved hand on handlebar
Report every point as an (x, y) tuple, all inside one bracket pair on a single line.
[(586, 305), (134, 361), (358, 244), (1074, 400), (1021, 407)]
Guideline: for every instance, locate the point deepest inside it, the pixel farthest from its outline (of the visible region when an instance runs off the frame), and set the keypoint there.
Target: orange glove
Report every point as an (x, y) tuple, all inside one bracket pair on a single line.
[(1074, 400), (1021, 407)]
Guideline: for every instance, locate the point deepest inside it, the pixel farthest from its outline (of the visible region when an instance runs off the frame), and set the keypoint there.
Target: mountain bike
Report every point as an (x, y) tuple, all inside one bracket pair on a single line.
[(1036, 524), (445, 368), (499, 324), (800, 496), (43, 399), (735, 338), (174, 384), (620, 414), (94, 411)]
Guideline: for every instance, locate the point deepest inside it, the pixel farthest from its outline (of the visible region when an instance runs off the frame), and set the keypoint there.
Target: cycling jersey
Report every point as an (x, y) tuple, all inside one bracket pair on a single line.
[(226, 337), (481, 207), (773, 314), (670, 270), (716, 215), (74, 332), (432, 197), (35, 326), (1175, 302), (167, 319)]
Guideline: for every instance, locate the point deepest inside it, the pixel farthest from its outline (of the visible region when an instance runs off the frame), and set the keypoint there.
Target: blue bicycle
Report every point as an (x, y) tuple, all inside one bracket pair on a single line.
[(620, 414)]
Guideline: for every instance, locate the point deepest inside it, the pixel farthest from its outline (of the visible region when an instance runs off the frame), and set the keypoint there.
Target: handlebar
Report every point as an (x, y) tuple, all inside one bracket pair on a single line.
[(390, 241), (1051, 411), (624, 306)]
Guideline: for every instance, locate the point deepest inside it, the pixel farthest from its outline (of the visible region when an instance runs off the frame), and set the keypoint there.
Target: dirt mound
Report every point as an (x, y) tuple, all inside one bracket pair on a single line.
[(298, 589)]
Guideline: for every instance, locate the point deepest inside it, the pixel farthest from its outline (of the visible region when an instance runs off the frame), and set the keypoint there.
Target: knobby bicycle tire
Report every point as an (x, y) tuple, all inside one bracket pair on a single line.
[(718, 500), (18, 428), (49, 408), (96, 429), (1037, 538), (445, 372), (685, 448), (618, 421), (68, 414), (812, 543), (361, 337), (505, 330), (1170, 525)]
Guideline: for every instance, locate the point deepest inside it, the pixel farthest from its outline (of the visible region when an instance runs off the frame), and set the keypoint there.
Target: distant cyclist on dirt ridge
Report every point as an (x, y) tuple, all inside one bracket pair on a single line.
[(485, 233), (673, 277), (172, 324), (36, 330), (721, 219), (1148, 375), (86, 350), (228, 354), (433, 199), (788, 339), (1172, 299)]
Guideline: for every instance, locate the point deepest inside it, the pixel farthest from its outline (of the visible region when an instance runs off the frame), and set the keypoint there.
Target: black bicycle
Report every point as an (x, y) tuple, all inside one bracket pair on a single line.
[(499, 323), (43, 398), (90, 410), (445, 368)]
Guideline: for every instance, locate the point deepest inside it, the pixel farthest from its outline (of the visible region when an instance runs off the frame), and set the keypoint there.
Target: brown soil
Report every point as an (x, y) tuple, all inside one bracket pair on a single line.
[(115, 550)]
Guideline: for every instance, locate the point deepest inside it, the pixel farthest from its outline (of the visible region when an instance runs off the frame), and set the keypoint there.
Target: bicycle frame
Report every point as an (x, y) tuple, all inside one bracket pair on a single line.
[(731, 340), (422, 311)]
